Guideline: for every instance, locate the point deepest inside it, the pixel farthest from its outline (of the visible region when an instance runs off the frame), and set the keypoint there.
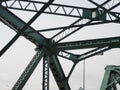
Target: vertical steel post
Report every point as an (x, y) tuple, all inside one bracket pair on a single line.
[(45, 73)]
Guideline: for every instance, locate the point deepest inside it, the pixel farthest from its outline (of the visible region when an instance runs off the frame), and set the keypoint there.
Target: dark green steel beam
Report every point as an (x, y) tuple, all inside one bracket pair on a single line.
[(4, 0), (45, 81), (29, 70), (113, 14), (70, 27), (56, 9), (22, 29), (67, 32), (58, 73), (111, 78), (106, 79), (79, 57), (68, 55), (16, 24), (112, 42), (57, 5)]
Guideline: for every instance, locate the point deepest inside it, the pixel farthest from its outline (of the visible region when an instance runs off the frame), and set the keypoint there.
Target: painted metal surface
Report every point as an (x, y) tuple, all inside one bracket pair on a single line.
[(111, 78), (54, 46)]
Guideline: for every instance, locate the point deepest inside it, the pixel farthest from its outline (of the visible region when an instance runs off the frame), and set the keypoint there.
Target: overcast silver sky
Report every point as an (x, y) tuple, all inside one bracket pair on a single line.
[(14, 61)]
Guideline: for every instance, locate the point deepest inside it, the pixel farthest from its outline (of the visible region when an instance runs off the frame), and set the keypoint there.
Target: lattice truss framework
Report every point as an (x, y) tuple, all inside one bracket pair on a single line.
[(53, 47)]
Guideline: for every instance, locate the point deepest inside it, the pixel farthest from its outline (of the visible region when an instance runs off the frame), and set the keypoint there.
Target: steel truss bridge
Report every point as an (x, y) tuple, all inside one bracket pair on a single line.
[(50, 48)]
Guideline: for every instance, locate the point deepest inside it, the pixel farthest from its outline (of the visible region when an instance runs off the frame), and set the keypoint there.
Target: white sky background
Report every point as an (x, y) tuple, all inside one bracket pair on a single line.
[(14, 61)]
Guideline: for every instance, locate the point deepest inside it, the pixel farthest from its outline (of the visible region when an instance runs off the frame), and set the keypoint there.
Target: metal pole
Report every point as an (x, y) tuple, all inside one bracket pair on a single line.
[(84, 75)]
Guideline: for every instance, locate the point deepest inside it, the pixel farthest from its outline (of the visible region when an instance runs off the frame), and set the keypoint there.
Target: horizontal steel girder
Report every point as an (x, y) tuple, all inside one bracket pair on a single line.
[(67, 32), (73, 26), (112, 42), (56, 9), (79, 57)]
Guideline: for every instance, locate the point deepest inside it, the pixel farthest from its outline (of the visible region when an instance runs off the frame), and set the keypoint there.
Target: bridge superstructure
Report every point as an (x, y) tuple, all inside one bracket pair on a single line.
[(50, 48)]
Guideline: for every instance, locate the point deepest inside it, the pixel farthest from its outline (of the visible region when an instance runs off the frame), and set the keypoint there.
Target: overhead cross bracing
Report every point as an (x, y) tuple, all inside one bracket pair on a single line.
[(52, 9), (54, 46), (111, 16)]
